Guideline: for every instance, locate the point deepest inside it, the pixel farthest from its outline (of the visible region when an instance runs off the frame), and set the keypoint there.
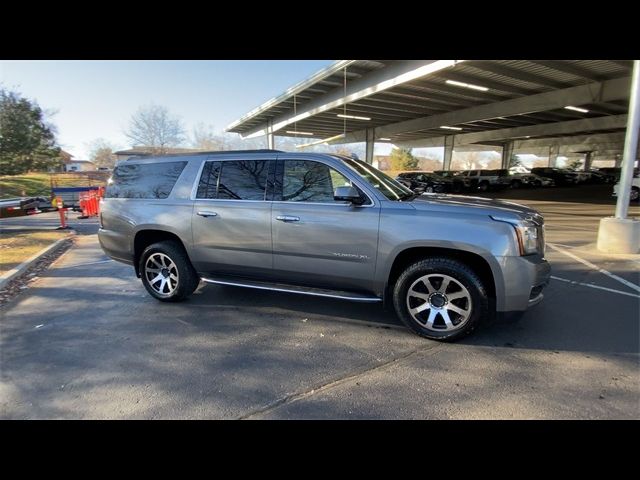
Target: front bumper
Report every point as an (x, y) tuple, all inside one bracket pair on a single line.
[(525, 279)]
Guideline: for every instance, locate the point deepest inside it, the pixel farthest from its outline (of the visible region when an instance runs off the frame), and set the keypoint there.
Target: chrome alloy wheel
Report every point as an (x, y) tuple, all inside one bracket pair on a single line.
[(161, 273), (439, 302)]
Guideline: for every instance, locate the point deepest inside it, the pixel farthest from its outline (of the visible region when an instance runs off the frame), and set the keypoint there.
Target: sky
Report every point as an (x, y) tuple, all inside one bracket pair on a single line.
[(95, 99)]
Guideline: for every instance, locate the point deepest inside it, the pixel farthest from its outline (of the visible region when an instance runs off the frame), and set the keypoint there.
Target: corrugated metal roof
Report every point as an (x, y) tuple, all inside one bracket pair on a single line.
[(432, 95)]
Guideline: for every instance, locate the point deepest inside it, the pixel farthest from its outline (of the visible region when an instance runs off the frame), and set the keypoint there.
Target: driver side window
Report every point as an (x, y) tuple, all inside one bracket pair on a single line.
[(308, 181)]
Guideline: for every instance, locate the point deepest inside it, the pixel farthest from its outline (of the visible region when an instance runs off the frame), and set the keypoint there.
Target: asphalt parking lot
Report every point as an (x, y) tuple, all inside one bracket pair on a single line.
[(87, 341)]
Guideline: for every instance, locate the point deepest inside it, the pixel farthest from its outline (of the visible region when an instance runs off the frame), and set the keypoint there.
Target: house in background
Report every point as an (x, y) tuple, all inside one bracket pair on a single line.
[(79, 166), (145, 151)]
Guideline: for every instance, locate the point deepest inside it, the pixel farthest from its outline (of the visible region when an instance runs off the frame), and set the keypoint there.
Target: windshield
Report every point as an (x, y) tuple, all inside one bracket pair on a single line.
[(386, 185)]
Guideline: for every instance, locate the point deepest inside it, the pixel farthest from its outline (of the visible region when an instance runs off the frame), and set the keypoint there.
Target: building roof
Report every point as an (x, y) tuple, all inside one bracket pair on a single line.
[(77, 161), (153, 151)]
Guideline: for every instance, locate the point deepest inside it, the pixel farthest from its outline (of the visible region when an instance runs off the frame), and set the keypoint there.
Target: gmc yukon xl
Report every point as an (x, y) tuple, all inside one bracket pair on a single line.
[(323, 225)]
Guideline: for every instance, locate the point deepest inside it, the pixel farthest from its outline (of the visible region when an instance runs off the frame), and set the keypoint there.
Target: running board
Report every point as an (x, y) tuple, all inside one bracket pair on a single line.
[(278, 287)]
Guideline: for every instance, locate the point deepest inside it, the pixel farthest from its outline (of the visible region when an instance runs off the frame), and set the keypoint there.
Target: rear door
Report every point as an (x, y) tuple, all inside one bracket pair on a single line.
[(231, 219), (316, 240)]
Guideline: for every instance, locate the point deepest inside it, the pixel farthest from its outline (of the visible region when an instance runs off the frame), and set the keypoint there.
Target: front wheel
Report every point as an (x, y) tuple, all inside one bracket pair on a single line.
[(167, 273), (440, 299), (483, 187), (635, 194)]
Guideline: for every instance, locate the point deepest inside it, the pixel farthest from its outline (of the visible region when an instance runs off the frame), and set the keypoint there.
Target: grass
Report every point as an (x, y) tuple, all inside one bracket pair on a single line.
[(16, 247), (29, 184)]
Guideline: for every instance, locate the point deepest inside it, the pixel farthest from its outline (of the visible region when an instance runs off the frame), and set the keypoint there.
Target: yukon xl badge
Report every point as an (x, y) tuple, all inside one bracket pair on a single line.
[(351, 255)]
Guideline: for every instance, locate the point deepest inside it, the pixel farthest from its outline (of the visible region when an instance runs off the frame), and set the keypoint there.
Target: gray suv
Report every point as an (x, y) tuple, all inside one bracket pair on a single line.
[(323, 225)]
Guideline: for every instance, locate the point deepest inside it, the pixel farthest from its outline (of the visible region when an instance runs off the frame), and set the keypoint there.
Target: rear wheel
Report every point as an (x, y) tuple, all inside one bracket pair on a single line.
[(483, 186), (440, 298), (635, 194), (167, 273)]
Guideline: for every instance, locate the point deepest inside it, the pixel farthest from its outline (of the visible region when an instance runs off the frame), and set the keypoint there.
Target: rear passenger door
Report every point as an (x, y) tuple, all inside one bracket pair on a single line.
[(231, 219), (318, 241)]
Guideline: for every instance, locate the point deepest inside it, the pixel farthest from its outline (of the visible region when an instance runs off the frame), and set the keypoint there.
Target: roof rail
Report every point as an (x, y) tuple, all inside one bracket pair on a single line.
[(214, 152)]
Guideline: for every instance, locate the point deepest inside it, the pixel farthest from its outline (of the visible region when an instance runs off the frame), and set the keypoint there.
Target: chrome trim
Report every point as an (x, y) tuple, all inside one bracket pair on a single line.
[(206, 213), (275, 289)]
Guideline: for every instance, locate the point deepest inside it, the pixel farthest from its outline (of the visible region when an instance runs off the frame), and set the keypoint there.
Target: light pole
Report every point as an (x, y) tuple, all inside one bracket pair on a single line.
[(620, 234)]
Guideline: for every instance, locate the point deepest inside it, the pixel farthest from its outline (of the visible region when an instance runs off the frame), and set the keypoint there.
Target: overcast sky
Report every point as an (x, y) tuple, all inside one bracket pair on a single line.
[(96, 99)]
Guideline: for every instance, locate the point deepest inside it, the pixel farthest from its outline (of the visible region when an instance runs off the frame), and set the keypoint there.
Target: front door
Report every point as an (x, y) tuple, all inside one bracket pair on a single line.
[(318, 241), (232, 218)]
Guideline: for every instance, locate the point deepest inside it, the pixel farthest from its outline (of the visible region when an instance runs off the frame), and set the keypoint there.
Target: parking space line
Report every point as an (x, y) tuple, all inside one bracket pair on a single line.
[(573, 282), (595, 267)]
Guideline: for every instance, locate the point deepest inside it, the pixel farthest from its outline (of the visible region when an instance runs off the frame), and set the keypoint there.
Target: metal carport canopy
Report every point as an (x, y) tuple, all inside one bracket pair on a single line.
[(480, 101)]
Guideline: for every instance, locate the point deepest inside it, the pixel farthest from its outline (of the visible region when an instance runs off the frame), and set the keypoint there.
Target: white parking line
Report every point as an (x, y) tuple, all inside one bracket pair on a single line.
[(595, 267), (573, 282)]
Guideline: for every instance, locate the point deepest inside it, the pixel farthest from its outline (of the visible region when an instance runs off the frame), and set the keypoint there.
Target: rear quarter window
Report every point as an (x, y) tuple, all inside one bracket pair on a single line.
[(144, 180)]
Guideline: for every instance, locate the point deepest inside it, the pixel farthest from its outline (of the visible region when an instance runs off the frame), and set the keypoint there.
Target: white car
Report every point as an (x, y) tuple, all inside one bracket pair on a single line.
[(635, 189)]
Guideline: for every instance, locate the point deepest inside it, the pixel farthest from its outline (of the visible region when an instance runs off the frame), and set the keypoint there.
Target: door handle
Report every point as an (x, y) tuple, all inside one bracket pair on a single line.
[(287, 218), (207, 213)]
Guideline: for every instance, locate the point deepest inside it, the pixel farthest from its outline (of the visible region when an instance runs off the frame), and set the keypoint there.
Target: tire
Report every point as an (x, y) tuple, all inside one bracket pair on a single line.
[(428, 190), (635, 194), (516, 184), (456, 187), (464, 284), (169, 260), (483, 186)]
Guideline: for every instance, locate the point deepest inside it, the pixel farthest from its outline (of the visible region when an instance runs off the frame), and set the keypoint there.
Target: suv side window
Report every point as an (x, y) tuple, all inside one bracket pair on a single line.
[(234, 179), (208, 185), (144, 180), (308, 181)]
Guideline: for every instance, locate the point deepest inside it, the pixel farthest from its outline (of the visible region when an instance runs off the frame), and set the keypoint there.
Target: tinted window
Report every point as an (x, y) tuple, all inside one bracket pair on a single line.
[(243, 180), (208, 185), (144, 180), (306, 181)]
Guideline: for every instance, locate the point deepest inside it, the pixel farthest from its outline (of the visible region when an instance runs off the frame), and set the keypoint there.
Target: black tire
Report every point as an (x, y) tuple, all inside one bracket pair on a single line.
[(516, 184), (461, 273), (483, 186), (187, 278), (456, 187), (635, 194)]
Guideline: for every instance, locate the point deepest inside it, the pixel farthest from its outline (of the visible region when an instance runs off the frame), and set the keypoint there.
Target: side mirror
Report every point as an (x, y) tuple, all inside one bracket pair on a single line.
[(348, 194)]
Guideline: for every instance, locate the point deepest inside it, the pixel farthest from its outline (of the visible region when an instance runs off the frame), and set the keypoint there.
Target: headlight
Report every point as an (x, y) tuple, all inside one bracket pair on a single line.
[(527, 238), (530, 236)]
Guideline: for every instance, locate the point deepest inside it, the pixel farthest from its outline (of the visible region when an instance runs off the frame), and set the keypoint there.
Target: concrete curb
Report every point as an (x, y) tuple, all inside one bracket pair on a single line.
[(13, 273)]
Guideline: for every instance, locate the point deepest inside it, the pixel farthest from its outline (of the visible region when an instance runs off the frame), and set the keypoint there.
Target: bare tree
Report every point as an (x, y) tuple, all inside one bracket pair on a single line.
[(101, 153), (204, 138), (154, 126)]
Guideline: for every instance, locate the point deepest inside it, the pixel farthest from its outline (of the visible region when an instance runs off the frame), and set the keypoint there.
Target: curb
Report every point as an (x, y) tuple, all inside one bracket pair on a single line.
[(14, 272)]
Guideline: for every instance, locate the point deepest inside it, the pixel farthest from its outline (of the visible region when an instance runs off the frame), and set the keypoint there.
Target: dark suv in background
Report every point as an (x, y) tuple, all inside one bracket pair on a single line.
[(424, 182), (560, 176), (322, 225)]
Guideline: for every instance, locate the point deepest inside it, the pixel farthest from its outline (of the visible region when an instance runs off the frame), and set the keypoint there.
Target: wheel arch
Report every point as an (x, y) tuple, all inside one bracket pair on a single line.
[(486, 268), (147, 236)]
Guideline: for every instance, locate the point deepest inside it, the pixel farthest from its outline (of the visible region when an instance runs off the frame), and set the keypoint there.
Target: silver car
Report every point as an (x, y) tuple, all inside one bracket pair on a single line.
[(323, 225)]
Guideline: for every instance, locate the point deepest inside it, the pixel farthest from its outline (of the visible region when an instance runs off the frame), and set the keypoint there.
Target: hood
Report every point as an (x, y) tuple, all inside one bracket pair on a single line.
[(473, 205)]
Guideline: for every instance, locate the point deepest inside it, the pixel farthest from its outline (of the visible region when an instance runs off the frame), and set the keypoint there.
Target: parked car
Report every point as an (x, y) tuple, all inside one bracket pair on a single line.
[(538, 181), (458, 183), (601, 177), (614, 171), (485, 180), (424, 182), (323, 225), (635, 189), (561, 176)]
